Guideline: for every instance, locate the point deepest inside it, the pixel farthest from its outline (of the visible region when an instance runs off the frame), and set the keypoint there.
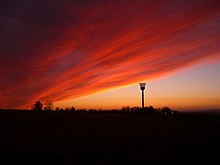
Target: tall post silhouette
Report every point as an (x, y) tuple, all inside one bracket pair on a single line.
[(142, 87)]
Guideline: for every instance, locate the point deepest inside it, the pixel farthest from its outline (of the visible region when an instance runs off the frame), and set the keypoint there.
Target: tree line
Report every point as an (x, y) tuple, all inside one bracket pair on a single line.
[(48, 106)]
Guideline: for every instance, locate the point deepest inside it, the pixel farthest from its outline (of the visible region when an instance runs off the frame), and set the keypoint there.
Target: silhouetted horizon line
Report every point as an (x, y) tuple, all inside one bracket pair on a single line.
[(208, 111)]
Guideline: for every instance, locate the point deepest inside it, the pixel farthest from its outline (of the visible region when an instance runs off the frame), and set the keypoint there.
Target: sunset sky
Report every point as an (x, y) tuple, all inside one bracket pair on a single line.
[(93, 53)]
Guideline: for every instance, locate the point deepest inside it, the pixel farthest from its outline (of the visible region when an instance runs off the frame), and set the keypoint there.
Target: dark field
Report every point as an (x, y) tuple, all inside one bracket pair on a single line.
[(29, 137)]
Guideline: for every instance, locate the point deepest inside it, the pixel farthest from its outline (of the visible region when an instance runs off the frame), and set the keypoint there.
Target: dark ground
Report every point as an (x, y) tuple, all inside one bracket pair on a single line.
[(28, 137)]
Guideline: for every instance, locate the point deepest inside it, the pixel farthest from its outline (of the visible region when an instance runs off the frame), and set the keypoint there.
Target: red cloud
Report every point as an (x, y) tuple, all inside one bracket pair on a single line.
[(57, 50)]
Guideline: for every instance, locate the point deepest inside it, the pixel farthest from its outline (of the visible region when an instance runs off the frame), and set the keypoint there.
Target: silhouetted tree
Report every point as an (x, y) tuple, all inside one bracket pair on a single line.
[(49, 105), (126, 109), (165, 110), (149, 109), (37, 106), (72, 109)]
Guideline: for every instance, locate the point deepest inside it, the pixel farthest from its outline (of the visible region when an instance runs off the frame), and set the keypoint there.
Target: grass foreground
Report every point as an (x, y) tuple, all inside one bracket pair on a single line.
[(65, 138)]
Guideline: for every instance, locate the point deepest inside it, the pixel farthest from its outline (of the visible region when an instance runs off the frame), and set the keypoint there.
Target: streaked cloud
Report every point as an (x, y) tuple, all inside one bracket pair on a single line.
[(63, 50)]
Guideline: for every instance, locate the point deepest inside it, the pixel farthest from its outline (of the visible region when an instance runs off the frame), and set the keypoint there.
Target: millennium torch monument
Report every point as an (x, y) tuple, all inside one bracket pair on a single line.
[(142, 87)]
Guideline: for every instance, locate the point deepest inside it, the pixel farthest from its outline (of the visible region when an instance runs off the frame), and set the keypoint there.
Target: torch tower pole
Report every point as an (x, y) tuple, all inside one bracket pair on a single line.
[(142, 87)]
